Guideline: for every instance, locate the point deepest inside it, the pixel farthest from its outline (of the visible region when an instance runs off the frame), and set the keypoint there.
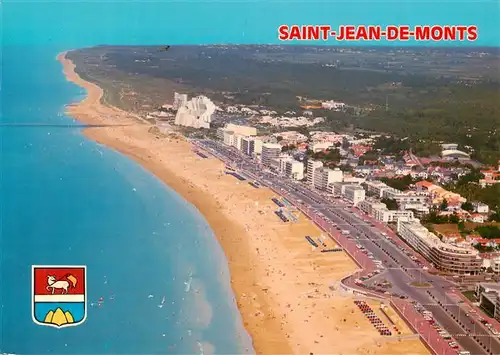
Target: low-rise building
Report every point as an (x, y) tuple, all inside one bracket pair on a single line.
[(389, 216), (419, 209), (492, 262), (291, 137), (446, 257), (321, 146), (403, 197), (333, 105), (477, 218), (488, 295), (480, 207), (438, 194)]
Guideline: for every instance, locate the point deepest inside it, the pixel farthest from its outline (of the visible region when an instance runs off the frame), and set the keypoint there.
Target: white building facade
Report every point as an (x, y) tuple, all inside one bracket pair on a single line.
[(354, 194), (323, 177), (446, 257), (312, 166), (292, 168), (270, 151), (196, 113)]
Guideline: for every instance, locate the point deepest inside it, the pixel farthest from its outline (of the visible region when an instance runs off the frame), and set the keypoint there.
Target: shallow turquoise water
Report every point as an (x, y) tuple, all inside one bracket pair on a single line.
[(67, 200)]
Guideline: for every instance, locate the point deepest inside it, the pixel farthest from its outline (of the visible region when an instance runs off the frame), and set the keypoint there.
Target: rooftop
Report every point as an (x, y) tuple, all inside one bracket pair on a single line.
[(493, 286), (432, 240)]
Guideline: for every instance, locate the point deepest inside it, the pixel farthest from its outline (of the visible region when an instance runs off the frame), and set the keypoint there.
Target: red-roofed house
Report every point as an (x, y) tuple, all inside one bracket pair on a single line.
[(424, 185), (490, 177), (487, 242), (476, 218), (452, 237), (359, 150)]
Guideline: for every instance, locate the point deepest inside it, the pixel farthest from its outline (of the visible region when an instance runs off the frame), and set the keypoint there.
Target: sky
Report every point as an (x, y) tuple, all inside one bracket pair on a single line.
[(92, 22)]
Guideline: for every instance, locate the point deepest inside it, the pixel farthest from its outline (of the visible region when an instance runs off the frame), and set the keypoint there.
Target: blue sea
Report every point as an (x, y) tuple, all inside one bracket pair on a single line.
[(66, 200)]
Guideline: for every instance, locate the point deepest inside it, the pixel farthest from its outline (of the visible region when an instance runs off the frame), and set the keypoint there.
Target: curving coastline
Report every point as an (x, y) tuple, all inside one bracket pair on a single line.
[(281, 287)]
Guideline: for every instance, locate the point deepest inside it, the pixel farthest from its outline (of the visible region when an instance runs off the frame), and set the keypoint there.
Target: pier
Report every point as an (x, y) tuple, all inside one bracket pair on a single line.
[(58, 125)]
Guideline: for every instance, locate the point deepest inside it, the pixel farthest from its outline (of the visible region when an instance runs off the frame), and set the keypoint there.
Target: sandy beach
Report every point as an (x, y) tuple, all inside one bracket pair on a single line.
[(287, 293)]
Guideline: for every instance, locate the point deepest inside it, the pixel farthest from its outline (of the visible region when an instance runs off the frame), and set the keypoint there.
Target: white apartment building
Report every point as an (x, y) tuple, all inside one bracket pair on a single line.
[(292, 168), (337, 189), (275, 163), (247, 145), (312, 166), (220, 133), (323, 177), (237, 141), (228, 137), (354, 193), (375, 187), (179, 100), (241, 130), (369, 206), (445, 257), (270, 151), (251, 145), (232, 139), (196, 113)]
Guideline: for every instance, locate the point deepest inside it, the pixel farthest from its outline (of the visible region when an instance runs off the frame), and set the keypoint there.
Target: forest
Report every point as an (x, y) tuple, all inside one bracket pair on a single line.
[(428, 98)]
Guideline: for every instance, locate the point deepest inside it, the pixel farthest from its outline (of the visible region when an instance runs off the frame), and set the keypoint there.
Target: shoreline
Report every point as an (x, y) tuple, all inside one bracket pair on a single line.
[(203, 203), (282, 288)]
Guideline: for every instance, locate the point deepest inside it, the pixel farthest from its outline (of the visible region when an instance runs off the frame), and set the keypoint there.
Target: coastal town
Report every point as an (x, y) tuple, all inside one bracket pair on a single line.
[(443, 232), (349, 229)]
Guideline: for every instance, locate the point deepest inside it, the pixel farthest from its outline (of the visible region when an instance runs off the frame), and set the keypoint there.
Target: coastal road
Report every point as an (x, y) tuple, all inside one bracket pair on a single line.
[(400, 268)]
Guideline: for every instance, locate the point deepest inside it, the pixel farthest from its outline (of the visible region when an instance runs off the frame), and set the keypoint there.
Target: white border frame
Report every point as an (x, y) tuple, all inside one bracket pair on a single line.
[(33, 267)]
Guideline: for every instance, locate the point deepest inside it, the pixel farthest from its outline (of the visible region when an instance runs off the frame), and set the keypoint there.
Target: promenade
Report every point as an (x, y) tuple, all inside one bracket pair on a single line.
[(405, 310)]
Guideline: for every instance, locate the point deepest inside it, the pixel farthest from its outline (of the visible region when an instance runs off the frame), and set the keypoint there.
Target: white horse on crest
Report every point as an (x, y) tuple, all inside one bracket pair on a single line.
[(63, 285)]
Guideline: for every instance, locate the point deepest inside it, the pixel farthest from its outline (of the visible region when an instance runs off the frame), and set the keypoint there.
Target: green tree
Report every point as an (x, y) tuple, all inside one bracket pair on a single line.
[(286, 148), (390, 203), (332, 155), (400, 183), (444, 205), (467, 206), (489, 232), (495, 217)]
